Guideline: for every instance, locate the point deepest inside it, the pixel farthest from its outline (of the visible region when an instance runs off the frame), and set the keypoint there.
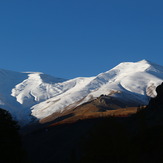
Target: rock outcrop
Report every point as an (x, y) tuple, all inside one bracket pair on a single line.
[(154, 110), (157, 102)]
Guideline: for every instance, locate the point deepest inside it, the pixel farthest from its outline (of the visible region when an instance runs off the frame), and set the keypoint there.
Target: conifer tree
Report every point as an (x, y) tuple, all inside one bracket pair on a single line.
[(10, 142)]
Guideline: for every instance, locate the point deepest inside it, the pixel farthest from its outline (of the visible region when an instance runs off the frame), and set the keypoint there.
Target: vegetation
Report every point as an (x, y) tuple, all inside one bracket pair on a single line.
[(10, 142), (123, 141)]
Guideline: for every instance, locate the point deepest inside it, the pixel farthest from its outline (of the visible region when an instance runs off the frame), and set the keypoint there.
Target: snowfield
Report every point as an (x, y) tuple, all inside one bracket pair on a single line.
[(33, 95)]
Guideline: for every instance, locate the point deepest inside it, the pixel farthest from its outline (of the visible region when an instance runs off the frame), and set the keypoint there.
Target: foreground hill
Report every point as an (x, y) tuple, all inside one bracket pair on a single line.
[(136, 138), (32, 95)]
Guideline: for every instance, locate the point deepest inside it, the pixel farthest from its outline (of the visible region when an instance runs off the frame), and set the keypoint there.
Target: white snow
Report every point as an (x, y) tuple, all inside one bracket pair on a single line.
[(39, 95)]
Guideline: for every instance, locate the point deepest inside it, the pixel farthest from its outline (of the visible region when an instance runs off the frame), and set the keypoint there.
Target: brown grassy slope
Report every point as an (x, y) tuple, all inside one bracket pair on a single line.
[(103, 106), (91, 115), (88, 111)]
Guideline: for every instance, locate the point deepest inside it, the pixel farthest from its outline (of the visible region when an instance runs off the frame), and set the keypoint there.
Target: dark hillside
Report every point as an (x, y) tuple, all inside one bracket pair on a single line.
[(136, 138)]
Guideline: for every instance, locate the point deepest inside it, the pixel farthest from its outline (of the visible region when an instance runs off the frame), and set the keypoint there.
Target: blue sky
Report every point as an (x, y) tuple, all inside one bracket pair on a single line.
[(71, 38)]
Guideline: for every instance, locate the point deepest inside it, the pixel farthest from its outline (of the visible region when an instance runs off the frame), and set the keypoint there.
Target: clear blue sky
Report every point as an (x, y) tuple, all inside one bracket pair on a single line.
[(71, 38)]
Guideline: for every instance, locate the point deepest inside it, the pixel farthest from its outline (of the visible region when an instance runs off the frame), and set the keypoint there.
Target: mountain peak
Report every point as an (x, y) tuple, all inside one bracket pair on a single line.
[(144, 61), (131, 67)]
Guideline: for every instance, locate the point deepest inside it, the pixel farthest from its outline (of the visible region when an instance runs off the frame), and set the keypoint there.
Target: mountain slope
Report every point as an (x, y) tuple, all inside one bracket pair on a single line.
[(131, 83), (34, 94)]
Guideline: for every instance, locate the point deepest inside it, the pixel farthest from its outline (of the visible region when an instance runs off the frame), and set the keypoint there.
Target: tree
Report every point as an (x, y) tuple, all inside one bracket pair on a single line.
[(10, 141)]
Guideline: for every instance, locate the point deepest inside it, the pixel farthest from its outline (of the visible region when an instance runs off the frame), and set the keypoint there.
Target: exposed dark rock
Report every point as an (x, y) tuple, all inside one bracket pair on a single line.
[(157, 102), (154, 111)]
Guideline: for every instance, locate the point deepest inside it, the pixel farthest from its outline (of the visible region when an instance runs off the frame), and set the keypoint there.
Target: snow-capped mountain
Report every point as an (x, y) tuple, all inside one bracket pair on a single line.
[(20, 91), (34, 94)]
